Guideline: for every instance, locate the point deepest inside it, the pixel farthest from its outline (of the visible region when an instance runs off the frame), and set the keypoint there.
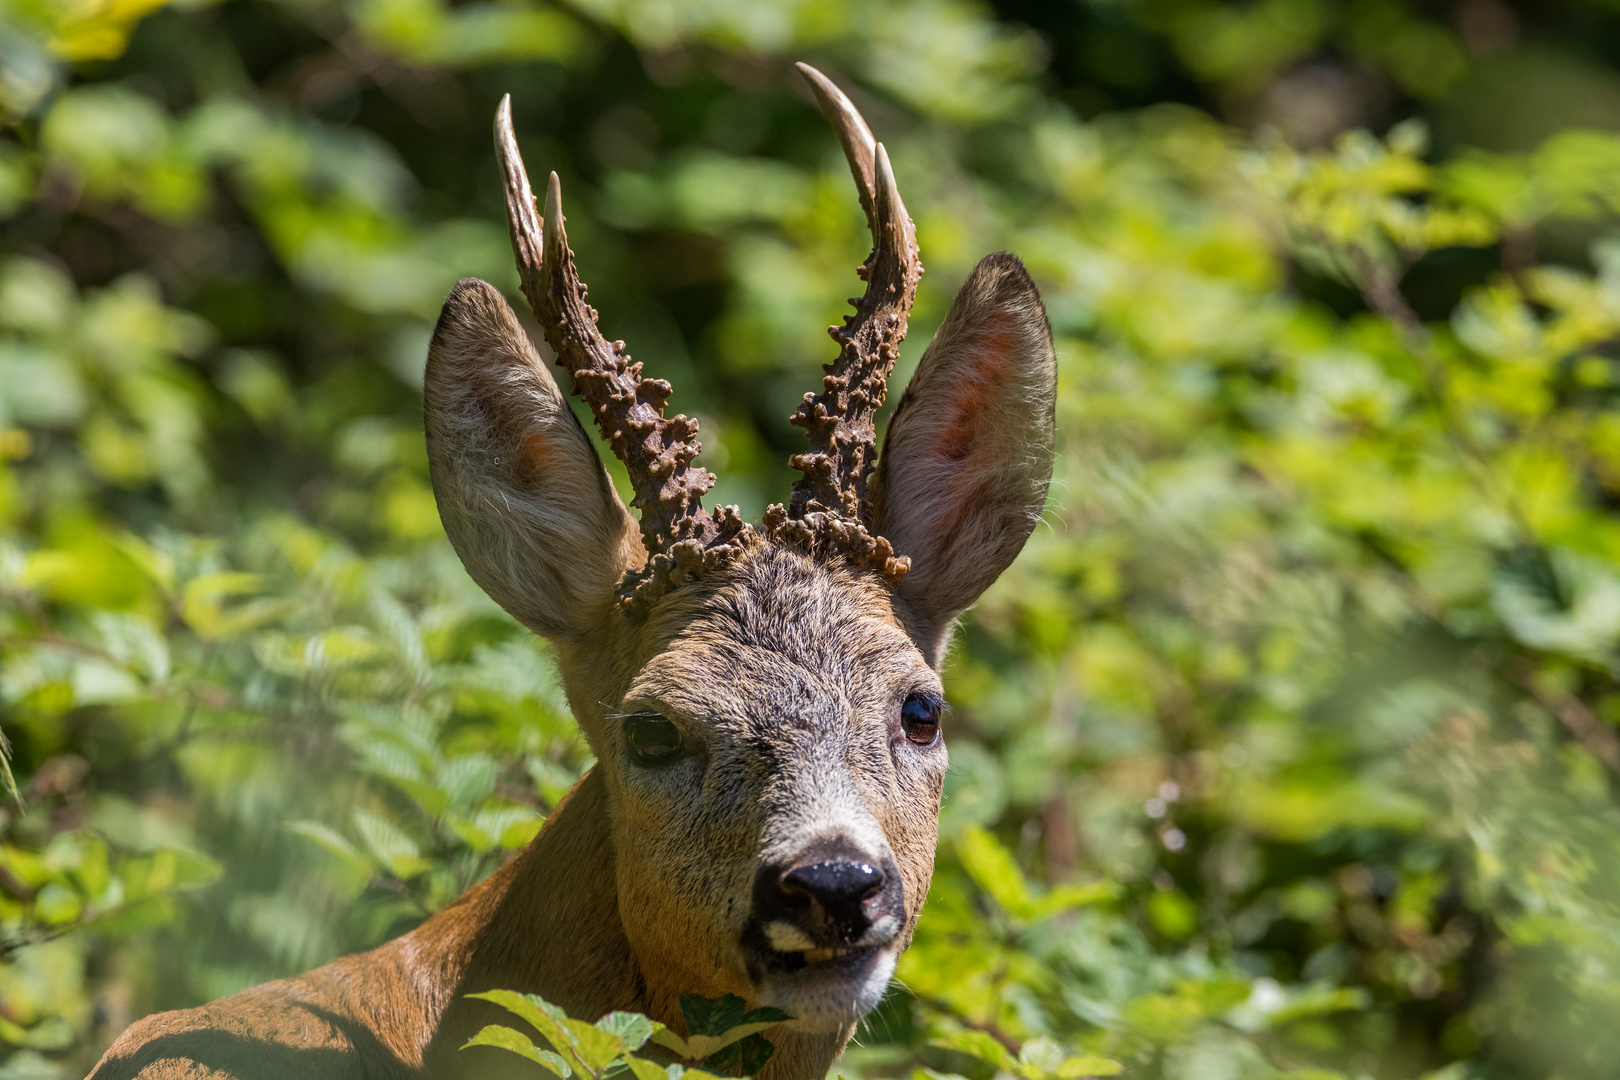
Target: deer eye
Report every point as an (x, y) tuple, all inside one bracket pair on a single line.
[(919, 718), (652, 738)]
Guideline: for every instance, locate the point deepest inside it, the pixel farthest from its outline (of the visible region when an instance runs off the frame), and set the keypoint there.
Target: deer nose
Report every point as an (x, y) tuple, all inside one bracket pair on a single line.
[(829, 899), (839, 887)]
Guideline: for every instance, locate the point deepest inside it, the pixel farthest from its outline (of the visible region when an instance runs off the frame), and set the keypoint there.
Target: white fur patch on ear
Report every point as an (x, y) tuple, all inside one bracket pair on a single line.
[(520, 489), (965, 466)]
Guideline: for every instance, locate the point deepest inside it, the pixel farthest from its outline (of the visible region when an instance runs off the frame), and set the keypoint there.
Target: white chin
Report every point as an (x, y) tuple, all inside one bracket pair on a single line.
[(827, 999)]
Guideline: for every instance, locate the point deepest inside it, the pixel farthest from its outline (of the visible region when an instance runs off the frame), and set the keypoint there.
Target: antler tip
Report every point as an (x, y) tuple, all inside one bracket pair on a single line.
[(553, 203), (503, 122), (814, 77), (888, 192), (852, 129)]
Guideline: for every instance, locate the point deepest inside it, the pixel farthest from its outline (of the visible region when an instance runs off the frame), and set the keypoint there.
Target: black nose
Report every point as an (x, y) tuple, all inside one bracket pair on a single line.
[(831, 896), (839, 887)]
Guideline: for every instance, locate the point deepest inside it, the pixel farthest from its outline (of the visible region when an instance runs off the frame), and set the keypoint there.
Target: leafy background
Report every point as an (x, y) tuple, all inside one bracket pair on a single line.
[(1287, 748)]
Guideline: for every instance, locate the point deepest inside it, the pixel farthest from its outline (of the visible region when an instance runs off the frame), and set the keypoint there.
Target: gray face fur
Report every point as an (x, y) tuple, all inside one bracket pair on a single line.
[(785, 676), (787, 684)]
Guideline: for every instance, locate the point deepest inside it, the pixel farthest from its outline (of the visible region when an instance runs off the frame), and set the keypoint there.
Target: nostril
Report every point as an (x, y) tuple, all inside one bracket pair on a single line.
[(830, 899), (834, 884)]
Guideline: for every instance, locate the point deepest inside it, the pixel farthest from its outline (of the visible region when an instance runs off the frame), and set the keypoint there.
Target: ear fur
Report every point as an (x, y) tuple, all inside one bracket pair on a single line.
[(966, 463), (521, 491)]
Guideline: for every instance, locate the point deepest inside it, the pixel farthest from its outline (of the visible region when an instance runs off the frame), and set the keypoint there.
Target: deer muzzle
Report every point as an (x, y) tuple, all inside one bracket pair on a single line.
[(831, 916)]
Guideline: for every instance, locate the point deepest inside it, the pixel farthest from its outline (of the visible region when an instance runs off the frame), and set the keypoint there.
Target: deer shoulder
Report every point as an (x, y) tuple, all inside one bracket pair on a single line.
[(764, 699)]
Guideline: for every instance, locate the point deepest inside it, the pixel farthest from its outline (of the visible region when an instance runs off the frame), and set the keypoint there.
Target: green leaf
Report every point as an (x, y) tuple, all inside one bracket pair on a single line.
[(330, 839), (716, 1016), (643, 1069), (504, 1038), (745, 1057), (632, 1029), (543, 1017), (993, 869), (202, 604), (592, 1045), (673, 1043), (1039, 1055), (57, 904), (392, 846), (980, 1045), (716, 1023), (1087, 1065), (1068, 897)]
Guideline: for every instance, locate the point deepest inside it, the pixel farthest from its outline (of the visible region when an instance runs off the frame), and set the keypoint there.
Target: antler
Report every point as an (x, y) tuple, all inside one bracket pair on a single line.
[(680, 536), (828, 508)]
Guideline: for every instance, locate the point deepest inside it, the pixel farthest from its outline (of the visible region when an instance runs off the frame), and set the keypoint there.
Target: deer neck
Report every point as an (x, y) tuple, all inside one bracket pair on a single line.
[(547, 923)]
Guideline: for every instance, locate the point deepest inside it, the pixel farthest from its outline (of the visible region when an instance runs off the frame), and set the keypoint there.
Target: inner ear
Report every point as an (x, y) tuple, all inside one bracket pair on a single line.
[(521, 490), (963, 475)]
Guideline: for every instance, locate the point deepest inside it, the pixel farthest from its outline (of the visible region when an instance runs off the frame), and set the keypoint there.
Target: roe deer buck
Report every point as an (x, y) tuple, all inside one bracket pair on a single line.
[(764, 701)]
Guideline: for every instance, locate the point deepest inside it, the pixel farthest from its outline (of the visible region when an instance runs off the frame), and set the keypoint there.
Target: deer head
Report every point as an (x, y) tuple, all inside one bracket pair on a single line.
[(764, 700)]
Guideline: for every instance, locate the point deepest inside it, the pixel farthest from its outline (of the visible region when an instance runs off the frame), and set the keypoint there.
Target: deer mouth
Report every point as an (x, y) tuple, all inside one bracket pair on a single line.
[(786, 947), (824, 987), (825, 959), (821, 956)]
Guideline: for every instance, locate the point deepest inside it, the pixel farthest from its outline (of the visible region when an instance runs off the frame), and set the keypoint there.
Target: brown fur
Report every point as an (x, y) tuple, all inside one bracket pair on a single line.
[(784, 673)]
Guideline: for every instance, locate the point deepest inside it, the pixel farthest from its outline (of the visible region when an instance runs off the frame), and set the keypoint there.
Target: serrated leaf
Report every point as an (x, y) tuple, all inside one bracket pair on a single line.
[(744, 1057), (716, 1016), (467, 779), (704, 1045), (672, 1042), (390, 844), (504, 1038), (556, 1012), (471, 835), (592, 1045), (632, 1029), (330, 839), (556, 1064), (716, 1023), (538, 1013)]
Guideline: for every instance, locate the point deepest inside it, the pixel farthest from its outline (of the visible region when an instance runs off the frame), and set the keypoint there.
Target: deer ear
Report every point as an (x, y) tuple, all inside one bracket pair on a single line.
[(521, 491), (965, 466)]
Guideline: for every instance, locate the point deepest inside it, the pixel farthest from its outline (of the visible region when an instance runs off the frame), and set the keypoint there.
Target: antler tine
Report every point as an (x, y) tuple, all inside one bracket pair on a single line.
[(522, 222), (853, 134), (681, 538), (838, 422)]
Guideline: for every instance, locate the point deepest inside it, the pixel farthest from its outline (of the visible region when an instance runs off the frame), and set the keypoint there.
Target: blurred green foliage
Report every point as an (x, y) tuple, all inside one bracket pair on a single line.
[(1288, 747)]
